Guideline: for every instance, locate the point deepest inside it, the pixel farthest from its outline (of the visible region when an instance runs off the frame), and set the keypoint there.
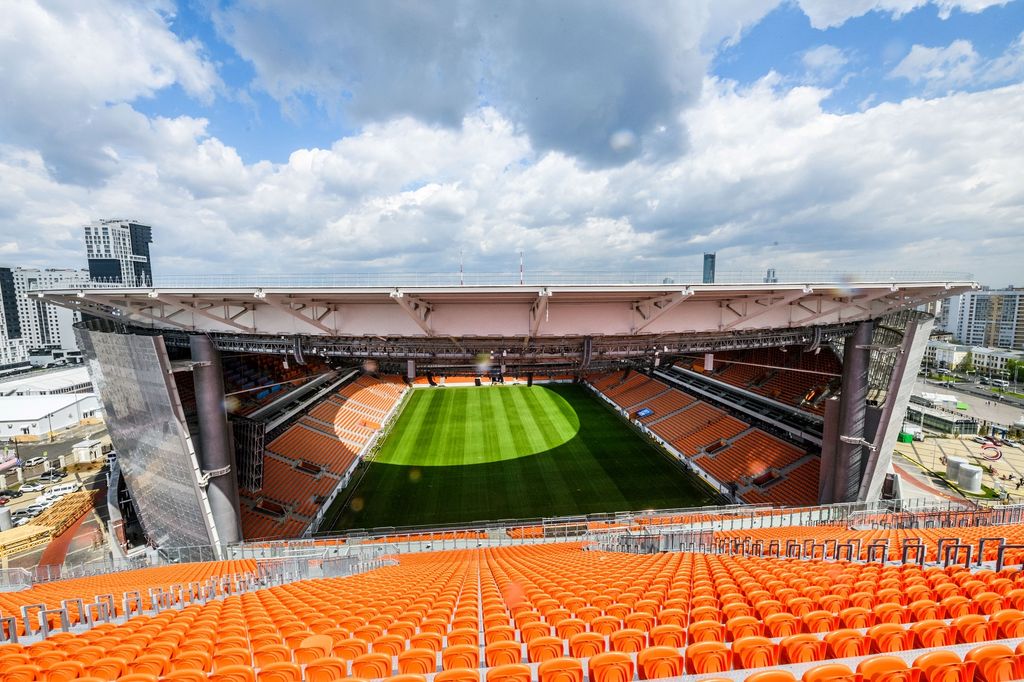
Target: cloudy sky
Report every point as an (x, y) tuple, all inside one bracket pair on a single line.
[(276, 136)]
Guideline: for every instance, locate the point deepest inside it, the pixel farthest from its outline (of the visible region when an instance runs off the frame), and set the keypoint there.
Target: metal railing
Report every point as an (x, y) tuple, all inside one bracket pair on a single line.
[(532, 278)]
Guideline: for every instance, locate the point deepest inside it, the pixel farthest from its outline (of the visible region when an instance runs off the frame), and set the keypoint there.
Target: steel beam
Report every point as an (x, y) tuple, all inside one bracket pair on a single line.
[(772, 304)]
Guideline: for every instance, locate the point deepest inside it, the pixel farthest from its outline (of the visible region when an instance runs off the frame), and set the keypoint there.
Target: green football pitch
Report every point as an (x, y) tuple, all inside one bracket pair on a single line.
[(503, 452)]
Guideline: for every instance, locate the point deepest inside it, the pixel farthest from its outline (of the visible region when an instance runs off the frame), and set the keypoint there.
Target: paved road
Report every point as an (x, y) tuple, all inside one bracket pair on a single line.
[(983, 404)]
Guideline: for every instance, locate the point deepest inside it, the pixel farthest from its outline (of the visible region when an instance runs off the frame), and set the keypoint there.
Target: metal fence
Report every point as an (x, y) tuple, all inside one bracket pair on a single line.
[(534, 278)]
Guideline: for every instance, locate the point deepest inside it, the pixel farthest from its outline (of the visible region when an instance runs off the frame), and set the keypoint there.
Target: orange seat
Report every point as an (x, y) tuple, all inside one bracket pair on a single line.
[(586, 644), (628, 640), (142, 677), (659, 661), (668, 635), (755, 652), (314, 647), (846, 643), (417, 662), (514, 672), (944, 666), (830, 672), (743, 626), (104, 668), (770, 676), (801, 649), (458, 675), (326, 670), (995, 663), (887, 638), (706, 632), (931, 633), (613, 666), (460, 656), (1008, 623), (543, 649), (783, 624), (372, 665), (503, 653), (530, 630), (187, 675), (69, 670), (272, 653), (971, 628), (708, 657), (425, 640), (463, 636), (887, 669), (282, 672), (560, 670), (230, 673), (28, 672), (856, 617)]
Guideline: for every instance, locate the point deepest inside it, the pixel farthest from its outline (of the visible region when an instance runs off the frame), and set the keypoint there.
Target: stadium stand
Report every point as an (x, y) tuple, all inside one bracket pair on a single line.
[(769, 372), (554, 613), (766, 469), (306, 462)]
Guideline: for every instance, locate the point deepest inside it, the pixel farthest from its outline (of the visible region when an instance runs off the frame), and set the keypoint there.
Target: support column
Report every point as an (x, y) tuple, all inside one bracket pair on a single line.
[(829, 442), (852, 408), (894, 413), (216, 457)]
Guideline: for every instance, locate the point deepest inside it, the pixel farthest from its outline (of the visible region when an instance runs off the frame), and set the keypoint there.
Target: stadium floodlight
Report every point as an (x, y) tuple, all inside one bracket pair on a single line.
[(260, 294), (854, 440), (153, 294)]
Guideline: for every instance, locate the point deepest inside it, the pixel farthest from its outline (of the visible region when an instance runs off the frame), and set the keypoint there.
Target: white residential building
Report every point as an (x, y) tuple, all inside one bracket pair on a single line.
[(118, 252), (989, 317), (44, 325)]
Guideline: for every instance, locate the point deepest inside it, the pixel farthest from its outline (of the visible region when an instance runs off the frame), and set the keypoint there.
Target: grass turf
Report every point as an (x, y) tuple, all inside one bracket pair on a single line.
[(501, 452)]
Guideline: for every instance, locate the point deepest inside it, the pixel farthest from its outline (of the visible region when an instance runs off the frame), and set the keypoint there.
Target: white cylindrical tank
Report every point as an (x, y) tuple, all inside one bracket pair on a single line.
[(953, 465), (969, 478)]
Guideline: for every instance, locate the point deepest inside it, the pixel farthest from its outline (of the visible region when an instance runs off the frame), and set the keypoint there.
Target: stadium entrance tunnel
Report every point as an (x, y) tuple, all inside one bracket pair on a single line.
[(468, 426)]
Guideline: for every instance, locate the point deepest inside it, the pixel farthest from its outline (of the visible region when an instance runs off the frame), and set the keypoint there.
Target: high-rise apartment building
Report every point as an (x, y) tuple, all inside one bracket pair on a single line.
[(118, 252), (989, 317), (45, 325), (13, 348)]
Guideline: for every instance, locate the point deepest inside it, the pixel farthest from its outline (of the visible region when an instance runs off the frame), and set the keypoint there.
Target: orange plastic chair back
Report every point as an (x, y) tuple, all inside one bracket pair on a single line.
[(514, 672), (371, 665), (326, 670), (659, 661), (586, 644), (708, 657), (458, 675), (560, 670), (612, 666), (460, 656), (417, 662), (543, 649)]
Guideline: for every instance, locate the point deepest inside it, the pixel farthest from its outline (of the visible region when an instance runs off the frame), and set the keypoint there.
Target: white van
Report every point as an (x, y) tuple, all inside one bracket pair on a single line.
[(61, 490)]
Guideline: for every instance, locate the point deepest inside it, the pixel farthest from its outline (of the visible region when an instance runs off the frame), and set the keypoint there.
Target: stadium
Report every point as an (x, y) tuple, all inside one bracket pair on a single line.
[(551, 483)]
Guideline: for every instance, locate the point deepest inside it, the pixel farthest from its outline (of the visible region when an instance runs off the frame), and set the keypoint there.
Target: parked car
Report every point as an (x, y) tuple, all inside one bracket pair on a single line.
[(11, 493), (4, 500), (979, 439), (34, 461), (54, 474), (22, 514), (32, 487)]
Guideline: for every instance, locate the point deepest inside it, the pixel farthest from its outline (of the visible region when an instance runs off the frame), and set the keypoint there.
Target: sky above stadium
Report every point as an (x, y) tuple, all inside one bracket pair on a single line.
[(329, 137)]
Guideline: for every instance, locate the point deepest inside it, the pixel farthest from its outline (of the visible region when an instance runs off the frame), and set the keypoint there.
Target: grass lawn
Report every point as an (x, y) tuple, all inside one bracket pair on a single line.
[(502, 452)]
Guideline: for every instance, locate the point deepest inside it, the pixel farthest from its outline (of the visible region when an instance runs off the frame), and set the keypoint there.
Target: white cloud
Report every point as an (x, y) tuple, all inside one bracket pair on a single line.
[(958, 65), (825, 63), (72, 69), (771, 180), (828, 13), (939, 67)]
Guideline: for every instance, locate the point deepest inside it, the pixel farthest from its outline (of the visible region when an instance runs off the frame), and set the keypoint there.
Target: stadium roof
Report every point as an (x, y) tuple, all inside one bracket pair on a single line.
[(509, 311)]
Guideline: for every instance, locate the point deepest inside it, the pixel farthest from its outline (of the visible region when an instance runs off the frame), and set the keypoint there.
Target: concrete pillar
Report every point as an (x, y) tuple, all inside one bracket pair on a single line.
[(6, 523), (853, 404), (216, 456), (829, 443)]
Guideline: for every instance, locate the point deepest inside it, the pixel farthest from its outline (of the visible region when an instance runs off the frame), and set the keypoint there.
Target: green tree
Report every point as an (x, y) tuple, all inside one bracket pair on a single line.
[(1015, 368), (967, 364)]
